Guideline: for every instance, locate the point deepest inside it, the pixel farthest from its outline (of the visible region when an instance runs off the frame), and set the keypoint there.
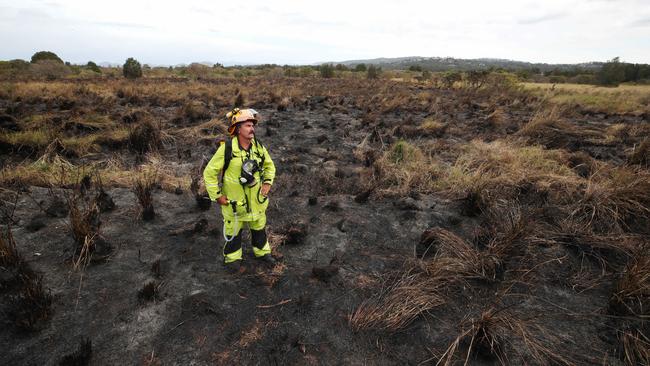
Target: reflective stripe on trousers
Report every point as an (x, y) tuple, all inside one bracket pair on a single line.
[(232, 251)]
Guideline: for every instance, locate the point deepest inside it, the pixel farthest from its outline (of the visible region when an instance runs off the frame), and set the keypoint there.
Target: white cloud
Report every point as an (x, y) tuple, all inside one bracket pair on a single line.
[(292, 31)]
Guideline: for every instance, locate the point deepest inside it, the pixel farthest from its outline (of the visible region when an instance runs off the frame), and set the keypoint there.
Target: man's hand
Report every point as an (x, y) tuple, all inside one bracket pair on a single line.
[(265, 189), (223, 200)]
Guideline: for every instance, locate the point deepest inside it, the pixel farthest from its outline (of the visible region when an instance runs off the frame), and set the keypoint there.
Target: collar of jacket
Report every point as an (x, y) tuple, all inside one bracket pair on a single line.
[(236, 148)]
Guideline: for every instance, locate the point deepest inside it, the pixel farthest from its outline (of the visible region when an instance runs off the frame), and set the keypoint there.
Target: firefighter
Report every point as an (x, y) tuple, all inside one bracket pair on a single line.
[(247, 173)]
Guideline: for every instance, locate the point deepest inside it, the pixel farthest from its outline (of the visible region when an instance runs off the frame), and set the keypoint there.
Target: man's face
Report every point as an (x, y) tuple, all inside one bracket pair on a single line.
[(247, 130)]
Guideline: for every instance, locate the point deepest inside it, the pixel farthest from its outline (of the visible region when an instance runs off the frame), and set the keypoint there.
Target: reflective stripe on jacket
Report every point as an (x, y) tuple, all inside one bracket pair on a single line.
[(253, 208)]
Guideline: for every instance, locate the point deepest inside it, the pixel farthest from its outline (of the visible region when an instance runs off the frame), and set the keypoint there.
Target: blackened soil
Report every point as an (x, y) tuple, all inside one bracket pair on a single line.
[(337, 250)]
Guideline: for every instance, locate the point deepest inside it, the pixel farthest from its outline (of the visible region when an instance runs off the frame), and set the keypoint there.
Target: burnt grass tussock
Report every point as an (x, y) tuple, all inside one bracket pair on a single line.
[(413, 223)]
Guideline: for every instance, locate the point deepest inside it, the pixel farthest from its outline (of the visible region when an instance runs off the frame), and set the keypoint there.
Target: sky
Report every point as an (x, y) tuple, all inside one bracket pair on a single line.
[(306, 32)]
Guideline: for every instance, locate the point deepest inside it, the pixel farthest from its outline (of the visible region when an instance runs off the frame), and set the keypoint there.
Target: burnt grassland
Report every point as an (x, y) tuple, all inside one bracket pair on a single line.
[(414, 222)]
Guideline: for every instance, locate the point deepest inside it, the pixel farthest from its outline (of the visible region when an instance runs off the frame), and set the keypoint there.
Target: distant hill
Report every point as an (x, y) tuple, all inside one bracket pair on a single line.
[(450, 63)]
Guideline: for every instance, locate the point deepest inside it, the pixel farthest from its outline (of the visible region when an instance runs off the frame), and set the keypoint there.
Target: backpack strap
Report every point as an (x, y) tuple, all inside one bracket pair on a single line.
[(227, 156)]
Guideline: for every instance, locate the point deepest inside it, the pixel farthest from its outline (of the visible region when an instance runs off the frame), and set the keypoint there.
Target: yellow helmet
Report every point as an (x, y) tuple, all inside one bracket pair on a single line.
[(237, 116)]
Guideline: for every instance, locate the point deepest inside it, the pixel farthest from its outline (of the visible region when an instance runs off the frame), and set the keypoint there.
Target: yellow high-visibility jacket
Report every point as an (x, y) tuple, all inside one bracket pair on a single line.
[(254, 204)]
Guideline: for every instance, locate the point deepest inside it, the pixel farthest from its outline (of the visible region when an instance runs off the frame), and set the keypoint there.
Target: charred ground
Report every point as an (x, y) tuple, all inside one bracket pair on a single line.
[(415, 223)]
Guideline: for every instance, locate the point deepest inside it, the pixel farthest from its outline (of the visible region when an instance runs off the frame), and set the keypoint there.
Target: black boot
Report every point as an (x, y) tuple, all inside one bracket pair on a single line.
[(233, 267), (267, 259)]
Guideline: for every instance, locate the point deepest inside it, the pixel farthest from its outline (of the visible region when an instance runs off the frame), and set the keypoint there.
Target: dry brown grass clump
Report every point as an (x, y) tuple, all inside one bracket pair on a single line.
[(9, 256), (29, 304), (472, 263), (614, 200), (143, 187), (426, 283), (548, 128), (431, 127), (499, 332), (487, 172), (145, 136), (414, 293), (635, 347), (403, 168), (32, 306), (641, 154), (84, 225), (192, 112), (631, 295)]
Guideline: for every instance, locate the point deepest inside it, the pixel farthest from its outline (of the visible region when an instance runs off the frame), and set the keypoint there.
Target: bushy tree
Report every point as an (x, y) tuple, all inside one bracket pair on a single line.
[(373, 72), (611, 73), (450, 77), (476, 78), (13, 68), (132, 69), (45, 56), (93, 67), (360, 68), (326, 70)]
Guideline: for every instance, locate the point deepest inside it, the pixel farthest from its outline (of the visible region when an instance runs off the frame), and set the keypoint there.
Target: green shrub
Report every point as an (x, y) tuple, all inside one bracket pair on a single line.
[(93, 67), (326, 70), (557, 79), (13, 68), (373, 72), (49, 69), (450, 77), (360, 68), (132, 69), (584, 79), (45, 56)]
